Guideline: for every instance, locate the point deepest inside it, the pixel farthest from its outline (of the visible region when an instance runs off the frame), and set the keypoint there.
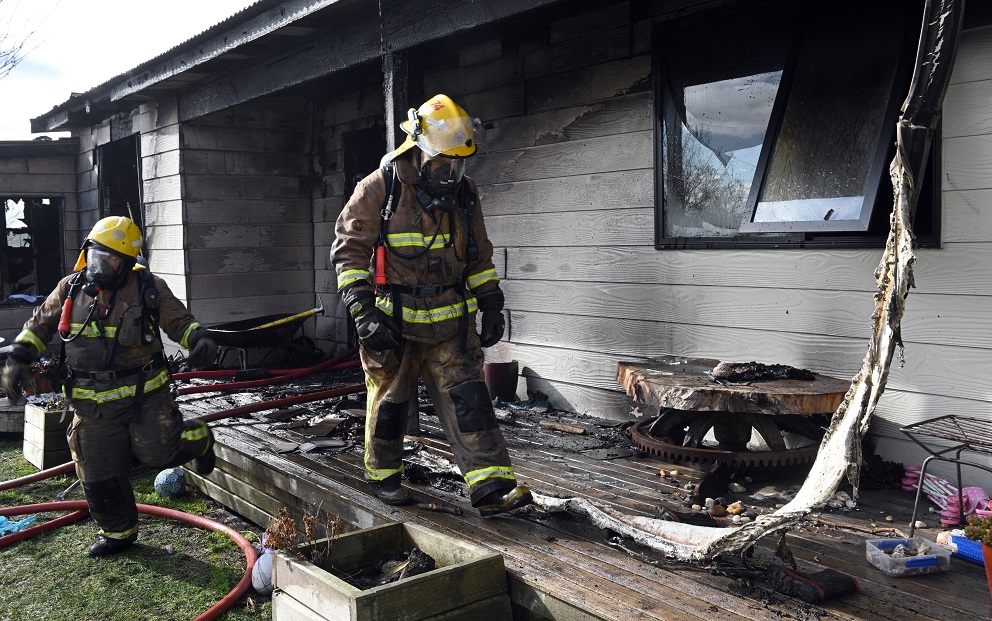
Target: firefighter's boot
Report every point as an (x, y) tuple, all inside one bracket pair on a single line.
[(503, 500), (106, 546), (204, 464), (390, 491)]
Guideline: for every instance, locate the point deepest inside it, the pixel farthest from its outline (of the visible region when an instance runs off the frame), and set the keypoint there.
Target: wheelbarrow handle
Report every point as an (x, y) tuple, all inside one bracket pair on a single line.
[(319, 310)]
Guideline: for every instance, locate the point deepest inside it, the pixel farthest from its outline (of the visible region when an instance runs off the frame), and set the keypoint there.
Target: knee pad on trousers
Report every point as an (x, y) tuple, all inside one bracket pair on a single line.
[(390, 420), (473, 409), (104, 496)]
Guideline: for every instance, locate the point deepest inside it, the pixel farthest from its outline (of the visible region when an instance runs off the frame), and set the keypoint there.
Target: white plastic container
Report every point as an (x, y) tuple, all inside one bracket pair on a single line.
[(878, 552)]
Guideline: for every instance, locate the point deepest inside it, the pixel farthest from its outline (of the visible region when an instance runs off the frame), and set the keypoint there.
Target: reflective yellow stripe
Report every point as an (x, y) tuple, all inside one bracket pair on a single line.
[(381, 474), (30, 338), (482, 475), (184, 342), (417, 239), (349, 276), (485, 276), (375, 474), (431, 315), (123, 392), (195, 435), (120, 535), (92, 331)]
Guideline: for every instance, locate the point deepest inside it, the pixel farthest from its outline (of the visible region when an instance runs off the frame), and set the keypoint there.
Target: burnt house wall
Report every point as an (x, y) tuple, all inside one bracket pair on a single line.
[(348, 142), (247, 227)]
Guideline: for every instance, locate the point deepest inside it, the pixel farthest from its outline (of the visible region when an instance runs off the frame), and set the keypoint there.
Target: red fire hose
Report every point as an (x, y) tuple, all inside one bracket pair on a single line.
[(80, 510), (333, 363)]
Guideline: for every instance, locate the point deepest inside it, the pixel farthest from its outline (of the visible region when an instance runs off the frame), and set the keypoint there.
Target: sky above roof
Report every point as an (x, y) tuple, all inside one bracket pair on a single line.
[(76, 45)]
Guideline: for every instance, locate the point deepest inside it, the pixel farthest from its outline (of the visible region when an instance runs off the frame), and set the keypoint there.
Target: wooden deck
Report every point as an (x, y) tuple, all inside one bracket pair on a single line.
[(559, 566)]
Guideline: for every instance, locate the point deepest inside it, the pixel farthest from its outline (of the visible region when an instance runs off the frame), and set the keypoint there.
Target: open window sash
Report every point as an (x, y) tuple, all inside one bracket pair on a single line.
[(832, 122)]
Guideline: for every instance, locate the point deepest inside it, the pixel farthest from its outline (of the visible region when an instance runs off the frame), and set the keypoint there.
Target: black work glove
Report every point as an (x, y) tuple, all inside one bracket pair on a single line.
[(203, 353), (493, 325), (15, 372), (375, 330)]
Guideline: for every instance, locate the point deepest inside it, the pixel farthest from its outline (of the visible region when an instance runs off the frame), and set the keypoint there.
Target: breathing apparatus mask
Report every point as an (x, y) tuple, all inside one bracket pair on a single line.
[(106, 269), (440, 178)]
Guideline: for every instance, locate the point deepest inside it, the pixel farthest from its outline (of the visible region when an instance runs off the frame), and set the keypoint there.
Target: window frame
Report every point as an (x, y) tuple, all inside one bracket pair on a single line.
[(796, 233)]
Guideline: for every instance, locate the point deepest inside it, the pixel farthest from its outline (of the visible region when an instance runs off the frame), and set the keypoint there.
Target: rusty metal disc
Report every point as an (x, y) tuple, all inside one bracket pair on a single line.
[(678, 454)]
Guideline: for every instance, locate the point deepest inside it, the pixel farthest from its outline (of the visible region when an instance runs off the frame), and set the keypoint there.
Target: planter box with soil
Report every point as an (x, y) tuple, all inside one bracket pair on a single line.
[(469, 581)]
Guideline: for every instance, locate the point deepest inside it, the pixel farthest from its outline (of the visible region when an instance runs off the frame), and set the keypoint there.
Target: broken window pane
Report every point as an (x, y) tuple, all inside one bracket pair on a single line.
[(776, 125)]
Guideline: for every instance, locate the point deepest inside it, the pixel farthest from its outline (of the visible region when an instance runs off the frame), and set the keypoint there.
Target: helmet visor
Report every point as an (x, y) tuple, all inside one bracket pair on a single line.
[(101, 266), (447, 136)]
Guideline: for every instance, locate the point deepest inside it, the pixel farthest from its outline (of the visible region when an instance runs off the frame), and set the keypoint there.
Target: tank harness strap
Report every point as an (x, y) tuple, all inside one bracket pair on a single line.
[(157, 363), (423, 291), (67, 382)]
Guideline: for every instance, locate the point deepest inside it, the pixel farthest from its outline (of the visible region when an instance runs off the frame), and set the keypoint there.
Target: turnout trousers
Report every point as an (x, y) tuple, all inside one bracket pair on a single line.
[(453, 376), (103, 448)]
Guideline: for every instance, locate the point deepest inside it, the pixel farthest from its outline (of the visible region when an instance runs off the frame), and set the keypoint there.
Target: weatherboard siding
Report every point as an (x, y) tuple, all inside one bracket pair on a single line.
[(567, 187), (249, 231)]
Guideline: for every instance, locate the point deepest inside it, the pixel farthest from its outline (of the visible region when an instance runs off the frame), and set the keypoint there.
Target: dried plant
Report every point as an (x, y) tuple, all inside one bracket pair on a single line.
[(283, 534)]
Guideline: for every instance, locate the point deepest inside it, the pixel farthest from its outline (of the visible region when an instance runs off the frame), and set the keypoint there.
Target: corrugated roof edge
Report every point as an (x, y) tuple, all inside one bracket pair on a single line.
[(77, 99)]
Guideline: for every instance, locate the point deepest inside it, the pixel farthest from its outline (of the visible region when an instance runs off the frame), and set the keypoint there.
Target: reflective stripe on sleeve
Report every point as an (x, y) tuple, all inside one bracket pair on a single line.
[(482, 277), (30, 338), (347, 277), (184, 342)]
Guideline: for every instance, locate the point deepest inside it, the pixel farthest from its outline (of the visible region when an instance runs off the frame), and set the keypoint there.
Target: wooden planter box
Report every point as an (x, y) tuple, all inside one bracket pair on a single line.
[(469, 582), (11, 416), (45, 442)]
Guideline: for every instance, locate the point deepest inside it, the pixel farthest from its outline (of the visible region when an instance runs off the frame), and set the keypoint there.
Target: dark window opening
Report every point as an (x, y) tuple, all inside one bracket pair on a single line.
[(362, 151), (775, 127), (120, 180), (31, 262)]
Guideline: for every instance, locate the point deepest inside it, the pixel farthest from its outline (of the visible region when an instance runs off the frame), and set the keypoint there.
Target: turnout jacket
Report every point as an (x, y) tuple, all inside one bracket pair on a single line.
[(88, 353), (434, 287)]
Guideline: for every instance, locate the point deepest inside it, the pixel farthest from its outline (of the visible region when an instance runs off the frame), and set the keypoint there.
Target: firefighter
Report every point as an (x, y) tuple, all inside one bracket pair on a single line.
[(414, 266), (117, 385)]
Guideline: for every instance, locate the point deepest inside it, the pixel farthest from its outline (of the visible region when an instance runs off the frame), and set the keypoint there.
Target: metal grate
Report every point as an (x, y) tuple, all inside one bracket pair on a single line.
[(972, 433)]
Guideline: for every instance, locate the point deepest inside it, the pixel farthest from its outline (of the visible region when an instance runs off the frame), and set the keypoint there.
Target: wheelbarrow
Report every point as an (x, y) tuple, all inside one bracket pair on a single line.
[(268, 331)]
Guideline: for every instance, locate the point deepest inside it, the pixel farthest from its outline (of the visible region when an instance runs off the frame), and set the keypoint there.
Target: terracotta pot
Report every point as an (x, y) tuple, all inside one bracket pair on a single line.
[(987, 557), (501, 379)]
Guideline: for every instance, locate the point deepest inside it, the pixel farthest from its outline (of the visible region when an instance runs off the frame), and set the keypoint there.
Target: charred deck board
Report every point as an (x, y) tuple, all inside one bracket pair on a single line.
[(564, 569)]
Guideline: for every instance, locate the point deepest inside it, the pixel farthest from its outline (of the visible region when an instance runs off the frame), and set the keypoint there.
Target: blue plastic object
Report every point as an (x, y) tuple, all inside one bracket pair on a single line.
[(7, 527), (967, 549)]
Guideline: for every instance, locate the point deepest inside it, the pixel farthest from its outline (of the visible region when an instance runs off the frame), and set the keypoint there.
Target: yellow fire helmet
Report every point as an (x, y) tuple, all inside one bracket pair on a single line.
[(117, 234), (439, 127)]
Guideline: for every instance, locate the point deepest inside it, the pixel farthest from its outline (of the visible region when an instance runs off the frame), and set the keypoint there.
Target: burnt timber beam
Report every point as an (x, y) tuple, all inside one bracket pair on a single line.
[(357, 41), (395, 75)]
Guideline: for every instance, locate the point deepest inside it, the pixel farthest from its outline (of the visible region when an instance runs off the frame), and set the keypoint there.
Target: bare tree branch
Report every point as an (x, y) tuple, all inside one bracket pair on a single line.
[(18, 35)]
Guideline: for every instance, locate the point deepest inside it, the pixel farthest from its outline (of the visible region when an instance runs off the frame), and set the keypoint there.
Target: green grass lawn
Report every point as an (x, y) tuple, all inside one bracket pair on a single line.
[(174, 572)]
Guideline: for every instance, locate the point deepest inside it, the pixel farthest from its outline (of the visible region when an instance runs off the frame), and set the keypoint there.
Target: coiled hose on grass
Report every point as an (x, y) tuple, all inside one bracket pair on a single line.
[(80, 510)]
